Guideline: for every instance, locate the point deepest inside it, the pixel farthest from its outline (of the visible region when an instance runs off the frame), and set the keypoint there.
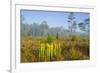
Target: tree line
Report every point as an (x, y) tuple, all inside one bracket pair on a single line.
[(43, 28)]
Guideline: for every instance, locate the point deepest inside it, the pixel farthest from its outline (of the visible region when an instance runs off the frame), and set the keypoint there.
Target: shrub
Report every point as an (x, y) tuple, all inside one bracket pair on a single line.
[(49, 39), (73, 37)]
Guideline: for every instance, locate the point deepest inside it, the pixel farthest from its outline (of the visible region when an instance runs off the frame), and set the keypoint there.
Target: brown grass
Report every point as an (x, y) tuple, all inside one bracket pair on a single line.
[(72, 48)]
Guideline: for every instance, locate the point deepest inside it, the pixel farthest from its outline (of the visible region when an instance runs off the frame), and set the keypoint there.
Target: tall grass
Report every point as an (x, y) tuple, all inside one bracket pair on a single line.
[(41, 49)]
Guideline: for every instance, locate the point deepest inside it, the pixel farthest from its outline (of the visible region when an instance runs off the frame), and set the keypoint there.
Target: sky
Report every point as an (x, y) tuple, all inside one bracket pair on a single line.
[(53, 18)]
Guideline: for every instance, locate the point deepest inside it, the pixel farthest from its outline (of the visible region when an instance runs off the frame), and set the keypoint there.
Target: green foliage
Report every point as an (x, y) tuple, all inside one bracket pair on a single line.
[(49, 39), (73, 37), (49, 51)]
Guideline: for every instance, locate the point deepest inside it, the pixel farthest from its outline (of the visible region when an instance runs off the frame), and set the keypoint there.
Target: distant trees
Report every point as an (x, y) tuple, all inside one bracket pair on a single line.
[(87, 22), (84, 26), (81, 26), (34, 29), (72, 22), (73, 25), (24, 29), (43, 29)]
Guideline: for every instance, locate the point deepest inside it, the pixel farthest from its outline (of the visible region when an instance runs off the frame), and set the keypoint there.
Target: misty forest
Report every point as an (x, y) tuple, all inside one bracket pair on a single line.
[(41, 42)]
